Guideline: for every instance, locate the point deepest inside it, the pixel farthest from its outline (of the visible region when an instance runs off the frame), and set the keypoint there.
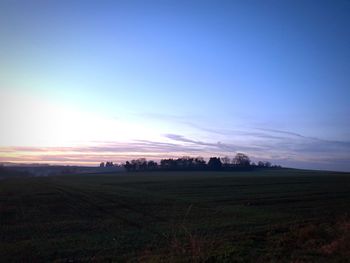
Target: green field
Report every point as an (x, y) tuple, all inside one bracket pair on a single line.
[(277, 215)]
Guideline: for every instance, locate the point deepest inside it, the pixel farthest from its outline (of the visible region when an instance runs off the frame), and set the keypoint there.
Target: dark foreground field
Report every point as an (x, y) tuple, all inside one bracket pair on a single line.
[(260, 216)]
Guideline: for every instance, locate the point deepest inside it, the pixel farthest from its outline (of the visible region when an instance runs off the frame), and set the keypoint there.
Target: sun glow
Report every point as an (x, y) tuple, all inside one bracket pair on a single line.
[(34, 121)]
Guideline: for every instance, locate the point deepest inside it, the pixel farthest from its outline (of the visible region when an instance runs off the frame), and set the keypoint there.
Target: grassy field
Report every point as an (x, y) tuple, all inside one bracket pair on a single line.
[(276, 215)]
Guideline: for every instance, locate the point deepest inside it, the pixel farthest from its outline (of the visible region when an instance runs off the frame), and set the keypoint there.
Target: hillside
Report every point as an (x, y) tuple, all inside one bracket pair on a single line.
[(280, 215)]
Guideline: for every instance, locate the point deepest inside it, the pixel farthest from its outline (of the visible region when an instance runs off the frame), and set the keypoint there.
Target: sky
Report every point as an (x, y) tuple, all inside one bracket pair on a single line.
[(89, 81)]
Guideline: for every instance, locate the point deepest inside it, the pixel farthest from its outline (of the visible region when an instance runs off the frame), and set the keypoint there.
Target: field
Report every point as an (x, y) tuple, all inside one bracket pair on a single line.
[(277, 215)]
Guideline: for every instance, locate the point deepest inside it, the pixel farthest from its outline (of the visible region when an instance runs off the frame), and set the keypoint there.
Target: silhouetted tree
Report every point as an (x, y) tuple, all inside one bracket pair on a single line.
[(226, 161), (241, 160), (128, 166), (261, 164), (102, 164), (109, 164), (139, 164), (152, 165), (264, 164), (200, 162), (185, 162), (168, 163), (267, 164), (214, 163)]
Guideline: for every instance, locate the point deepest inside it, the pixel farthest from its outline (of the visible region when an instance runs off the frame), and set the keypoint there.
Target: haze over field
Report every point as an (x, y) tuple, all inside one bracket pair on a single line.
[(88, 81)]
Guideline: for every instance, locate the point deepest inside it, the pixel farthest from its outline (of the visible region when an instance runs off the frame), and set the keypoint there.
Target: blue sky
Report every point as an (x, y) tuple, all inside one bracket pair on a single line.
[(268, 78)]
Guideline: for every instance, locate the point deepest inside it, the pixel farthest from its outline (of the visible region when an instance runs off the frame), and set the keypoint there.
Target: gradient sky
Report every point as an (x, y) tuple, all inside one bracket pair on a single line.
[(89, 81)]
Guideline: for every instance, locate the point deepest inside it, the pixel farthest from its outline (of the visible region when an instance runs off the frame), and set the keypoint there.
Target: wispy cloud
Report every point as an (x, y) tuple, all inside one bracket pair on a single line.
[(278, 146), (281, 146), (218, 145)]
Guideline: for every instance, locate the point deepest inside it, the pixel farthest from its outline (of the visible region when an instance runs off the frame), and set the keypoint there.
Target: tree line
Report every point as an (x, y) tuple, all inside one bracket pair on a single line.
[(239, 162)]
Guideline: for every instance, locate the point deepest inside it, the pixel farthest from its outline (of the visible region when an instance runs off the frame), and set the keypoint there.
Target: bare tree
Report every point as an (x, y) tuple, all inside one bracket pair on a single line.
[(214, 163), (226, 161), (241, 160)]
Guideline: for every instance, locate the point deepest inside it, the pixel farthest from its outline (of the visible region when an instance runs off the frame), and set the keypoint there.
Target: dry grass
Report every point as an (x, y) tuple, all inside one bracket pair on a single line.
[(312, 242), (340, 244), (182, 244)]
